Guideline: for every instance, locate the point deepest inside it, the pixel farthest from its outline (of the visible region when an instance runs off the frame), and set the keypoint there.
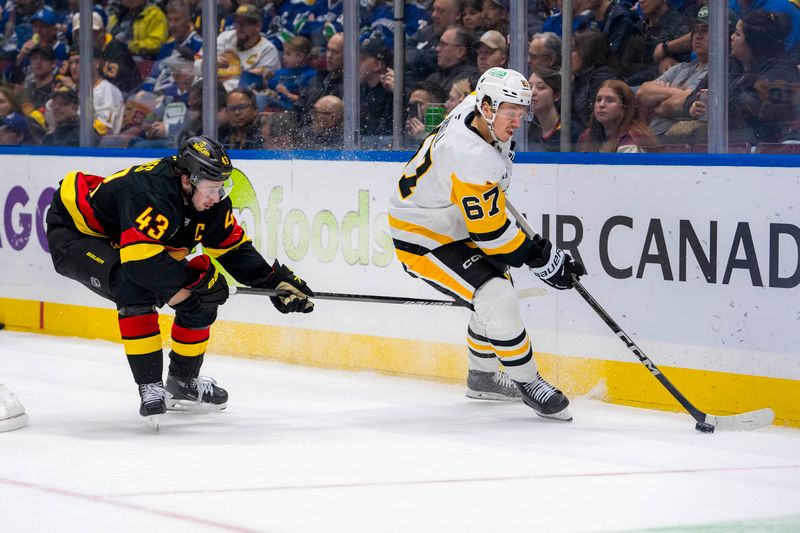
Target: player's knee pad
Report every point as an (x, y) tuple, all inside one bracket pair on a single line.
[(497, 308), (190, 313)]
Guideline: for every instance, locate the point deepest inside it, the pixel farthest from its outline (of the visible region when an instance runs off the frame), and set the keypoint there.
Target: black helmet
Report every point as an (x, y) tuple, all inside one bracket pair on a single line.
[(205, 158)]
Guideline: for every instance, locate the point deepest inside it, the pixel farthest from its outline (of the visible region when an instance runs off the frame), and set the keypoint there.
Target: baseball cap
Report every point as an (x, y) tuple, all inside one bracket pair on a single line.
[(249, 11), (702, 16), (46, 15), (375, 47), (97, 21), (44, 50), (67, 94), (16, 122), (492, 39)]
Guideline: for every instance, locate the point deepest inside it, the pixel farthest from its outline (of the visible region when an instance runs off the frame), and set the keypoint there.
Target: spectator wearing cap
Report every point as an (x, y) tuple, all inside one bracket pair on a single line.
[(421, 52), (245, 57), (118, 65), (14, 130), (66, 130), (45, 36), (289, 82), (326, 81), (243, 130), (376, 94), (664, 99), (40, 83), (108, 102), (491, 51), (495, 15), (182, 36), (544, 51), (140, 25), (454, 58)]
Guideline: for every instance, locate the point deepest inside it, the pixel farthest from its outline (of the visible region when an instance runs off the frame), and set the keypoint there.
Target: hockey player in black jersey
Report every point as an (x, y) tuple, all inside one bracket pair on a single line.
[(126, 237)]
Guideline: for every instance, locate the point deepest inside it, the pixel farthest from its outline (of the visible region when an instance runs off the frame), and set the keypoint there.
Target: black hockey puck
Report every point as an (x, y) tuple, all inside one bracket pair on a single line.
[(704, 427)]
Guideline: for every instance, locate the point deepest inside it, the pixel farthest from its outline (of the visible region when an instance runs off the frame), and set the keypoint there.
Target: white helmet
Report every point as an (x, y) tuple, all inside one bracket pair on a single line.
[(503, 85)]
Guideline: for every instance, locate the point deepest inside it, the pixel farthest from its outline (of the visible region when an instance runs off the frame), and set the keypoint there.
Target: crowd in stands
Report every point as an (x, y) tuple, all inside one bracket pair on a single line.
[(639, 78)]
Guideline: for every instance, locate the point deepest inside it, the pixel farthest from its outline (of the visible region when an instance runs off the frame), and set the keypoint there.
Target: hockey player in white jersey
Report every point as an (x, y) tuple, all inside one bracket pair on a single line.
[(450, 228)]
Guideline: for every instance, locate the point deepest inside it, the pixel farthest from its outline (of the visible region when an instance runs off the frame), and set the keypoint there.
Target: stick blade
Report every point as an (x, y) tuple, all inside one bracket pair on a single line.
[(743, 422)]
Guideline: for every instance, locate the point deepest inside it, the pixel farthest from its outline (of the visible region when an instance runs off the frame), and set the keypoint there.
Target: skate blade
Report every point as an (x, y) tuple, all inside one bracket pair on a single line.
[(191, 406), (482, 395), (563, 416), (152, 422), (14, 422)]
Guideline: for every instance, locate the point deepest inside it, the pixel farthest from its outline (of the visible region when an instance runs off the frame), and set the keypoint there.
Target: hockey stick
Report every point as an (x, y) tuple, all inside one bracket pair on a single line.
[(337, 296), (705, 423)]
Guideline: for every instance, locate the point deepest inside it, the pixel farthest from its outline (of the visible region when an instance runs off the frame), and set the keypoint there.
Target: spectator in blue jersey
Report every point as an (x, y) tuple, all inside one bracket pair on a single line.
[(580, 18), (290, 82), (618, 23), (381, 21), (16, 25), (181, 35), (14, 130), (45, 35)]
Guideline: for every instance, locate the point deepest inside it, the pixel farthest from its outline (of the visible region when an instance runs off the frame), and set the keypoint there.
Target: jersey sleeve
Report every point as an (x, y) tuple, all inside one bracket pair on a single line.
[(226, 241), (145, 220), (477, 193)]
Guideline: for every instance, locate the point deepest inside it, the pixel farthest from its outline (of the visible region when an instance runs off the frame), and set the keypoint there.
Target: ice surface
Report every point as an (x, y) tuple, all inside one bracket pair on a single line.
[(309, 450)]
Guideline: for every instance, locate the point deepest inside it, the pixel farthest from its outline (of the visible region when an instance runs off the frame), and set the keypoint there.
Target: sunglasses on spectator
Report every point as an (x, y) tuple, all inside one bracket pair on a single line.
[(237, 108)]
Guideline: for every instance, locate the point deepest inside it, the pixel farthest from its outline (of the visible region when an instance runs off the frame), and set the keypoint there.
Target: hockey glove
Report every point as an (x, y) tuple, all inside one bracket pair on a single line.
[(552, 265), (283, 279), (205, 281)]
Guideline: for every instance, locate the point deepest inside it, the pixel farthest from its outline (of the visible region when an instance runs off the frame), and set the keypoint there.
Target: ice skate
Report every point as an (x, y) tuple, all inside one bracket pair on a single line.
[(153, 402), (546, 400), (200, 394), (12, 413), (491, 386)]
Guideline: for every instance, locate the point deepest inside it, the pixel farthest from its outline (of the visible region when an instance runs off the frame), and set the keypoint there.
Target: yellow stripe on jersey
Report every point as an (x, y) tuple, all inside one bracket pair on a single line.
[(425, 268), (402, 225), (216, 252), (139, 252), (69, 196), (189, 350), (142, 346)]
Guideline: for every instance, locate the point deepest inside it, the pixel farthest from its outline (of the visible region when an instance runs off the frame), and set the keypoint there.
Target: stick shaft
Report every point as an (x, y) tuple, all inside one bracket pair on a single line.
[(612, 324), (338, 296)]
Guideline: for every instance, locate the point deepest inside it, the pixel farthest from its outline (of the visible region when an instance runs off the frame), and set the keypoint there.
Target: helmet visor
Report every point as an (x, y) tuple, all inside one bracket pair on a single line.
[(213, 189), (523, 115)]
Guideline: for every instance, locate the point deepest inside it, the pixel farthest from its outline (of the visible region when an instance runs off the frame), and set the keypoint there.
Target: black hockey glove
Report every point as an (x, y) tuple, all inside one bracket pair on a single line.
[(552, 265), (283, 279), (206, 282)]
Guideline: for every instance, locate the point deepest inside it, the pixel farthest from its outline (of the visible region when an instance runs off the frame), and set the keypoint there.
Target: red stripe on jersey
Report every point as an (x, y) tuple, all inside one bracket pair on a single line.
[(189, 336), (86, 183), (134, 236), (134, 327), (236, 235)]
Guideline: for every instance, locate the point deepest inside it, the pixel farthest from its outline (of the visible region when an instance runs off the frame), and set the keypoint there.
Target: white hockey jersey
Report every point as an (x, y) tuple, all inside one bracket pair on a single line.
[(450, 191)]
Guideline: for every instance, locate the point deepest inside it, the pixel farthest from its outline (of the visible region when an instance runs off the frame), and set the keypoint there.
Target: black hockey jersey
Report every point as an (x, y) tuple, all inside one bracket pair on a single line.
[(142, 210)]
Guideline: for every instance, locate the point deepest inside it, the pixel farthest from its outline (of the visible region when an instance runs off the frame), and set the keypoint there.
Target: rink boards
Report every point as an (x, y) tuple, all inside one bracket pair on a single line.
[(696, 258)]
